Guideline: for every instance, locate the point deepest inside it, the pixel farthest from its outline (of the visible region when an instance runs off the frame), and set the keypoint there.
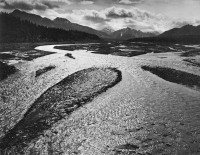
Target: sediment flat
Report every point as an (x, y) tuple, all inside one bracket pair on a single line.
[(57, 102), (142, 114)]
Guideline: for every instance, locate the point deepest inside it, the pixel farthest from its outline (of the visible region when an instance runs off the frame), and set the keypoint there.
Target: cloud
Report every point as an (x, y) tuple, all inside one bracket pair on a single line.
[(128, 2), (23, 5), (96, 18), (118, 13), (17, 5), (50, 5), (108, 2), (125, 2), (87, 2), (181, 23), (119, 18), (39, 5), (99, 14)]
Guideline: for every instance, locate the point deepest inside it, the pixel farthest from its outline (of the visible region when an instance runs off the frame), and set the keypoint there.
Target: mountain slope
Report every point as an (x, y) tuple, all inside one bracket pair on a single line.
[(60, 23), (67, 25), (13, 29), (187, 34), (33, 18), (107, 30), (128, 33), (187, 30)]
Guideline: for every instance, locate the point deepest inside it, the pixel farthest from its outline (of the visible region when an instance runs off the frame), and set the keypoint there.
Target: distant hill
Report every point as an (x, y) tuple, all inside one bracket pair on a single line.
[(13, 29), (60, 23), (186, 34), (128, 33), (187, 30)]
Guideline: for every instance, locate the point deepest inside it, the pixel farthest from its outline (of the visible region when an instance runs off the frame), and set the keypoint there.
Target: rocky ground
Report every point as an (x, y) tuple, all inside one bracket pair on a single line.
[(142, 114)]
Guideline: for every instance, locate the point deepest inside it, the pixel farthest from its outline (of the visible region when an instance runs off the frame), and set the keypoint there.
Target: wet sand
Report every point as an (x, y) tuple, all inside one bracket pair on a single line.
[(143, 114)]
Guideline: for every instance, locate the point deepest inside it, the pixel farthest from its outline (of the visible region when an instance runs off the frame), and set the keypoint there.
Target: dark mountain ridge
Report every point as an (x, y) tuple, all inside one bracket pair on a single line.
[(58, 22), (13, 29), (36, 19), (187, 30), (187, 34)]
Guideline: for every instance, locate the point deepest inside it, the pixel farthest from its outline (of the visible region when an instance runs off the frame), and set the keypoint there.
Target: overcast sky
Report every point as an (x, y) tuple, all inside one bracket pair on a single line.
[(144, 15)]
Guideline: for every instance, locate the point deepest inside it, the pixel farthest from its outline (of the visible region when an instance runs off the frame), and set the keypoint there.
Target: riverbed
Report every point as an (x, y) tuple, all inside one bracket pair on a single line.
[(143, 114)]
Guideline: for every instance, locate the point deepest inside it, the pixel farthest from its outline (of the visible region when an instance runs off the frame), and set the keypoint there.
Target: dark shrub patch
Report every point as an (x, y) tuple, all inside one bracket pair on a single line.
[(191, 53), (6, 56), (175, 76), (192, 62), (69, 55), (44, 70), (6, 70)]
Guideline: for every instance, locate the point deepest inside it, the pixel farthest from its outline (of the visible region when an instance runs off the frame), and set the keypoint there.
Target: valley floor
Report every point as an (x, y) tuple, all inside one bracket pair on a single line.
[(142, 114)]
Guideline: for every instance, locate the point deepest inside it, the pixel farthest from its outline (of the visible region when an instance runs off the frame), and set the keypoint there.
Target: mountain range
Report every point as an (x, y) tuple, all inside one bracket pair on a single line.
[(60, 23), (107, 30), (187, 30), (187, 34), (128, 33), (13, 29), (65, 24)]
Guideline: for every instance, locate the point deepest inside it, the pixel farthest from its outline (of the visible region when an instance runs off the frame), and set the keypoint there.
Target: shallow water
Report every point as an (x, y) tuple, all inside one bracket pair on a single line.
[(127, 49)]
